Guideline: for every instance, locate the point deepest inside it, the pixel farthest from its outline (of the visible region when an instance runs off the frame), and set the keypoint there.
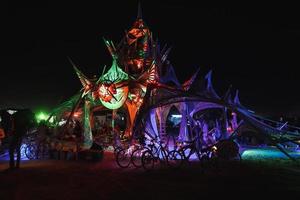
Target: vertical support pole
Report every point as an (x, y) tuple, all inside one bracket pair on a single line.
[(88, 136), (113, 117), (116, 135), (234, 121), (183, 134), (225, 124), (158, 112)]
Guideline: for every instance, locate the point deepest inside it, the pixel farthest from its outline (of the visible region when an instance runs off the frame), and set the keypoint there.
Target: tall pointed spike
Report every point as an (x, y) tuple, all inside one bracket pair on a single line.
[(228, 93), (209, 86), (165, 56), (236, 98), (110, 47), (100, 77), (72, 63), (170, 76), (139, 14), (105, 40), (78, 72), (103, 71), (197, 71), (113, 45), (187, 84), (208, 79), (83, 79), (163, 50)]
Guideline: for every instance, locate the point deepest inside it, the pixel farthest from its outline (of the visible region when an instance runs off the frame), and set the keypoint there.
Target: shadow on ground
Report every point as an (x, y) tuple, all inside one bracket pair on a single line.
[(67, 180)]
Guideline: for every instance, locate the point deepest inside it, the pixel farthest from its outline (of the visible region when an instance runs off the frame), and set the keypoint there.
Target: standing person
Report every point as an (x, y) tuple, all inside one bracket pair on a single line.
[(198, 132), (205, 133), (22, 121)]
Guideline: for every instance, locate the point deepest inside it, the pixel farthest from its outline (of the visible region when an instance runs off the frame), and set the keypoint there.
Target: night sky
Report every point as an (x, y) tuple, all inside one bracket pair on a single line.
[(254, 48)]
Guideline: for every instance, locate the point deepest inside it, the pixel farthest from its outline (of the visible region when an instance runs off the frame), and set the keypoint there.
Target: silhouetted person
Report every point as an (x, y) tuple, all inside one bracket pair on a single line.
[(22, 121), (78, 130)]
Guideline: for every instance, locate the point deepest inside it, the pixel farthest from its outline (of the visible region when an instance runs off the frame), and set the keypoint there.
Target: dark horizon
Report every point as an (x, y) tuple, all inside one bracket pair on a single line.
[(253, 48)]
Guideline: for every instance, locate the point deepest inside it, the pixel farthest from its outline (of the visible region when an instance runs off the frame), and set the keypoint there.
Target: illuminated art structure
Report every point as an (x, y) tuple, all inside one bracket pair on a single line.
[(142, 81)]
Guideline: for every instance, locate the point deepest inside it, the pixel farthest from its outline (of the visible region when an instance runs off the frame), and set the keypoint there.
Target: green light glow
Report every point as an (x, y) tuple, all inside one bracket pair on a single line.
[(41, 116), (115, 74)]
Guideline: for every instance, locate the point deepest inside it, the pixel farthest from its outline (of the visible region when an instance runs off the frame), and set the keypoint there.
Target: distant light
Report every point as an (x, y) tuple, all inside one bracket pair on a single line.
[(176, 116), (11, 111), (62, 122)]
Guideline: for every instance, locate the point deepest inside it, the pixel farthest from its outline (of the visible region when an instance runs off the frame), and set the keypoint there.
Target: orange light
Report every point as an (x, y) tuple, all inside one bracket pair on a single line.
[(76, 114)]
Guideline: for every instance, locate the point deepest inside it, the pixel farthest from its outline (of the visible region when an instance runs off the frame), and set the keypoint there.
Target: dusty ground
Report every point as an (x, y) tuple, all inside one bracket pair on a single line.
[(104, 180)]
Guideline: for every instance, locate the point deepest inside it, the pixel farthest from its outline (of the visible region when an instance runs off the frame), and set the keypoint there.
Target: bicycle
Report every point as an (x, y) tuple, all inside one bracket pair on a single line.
[(163, 156), (123, 156), (189, 149), (34, 149), (137, 153)]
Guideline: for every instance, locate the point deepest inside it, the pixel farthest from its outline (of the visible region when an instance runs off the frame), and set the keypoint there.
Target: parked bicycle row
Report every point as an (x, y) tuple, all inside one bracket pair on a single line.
[(155, 152)]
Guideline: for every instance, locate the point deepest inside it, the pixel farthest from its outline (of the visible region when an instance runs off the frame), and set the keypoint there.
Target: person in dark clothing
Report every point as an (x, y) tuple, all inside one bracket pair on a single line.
[(22, 121), (78, 130)]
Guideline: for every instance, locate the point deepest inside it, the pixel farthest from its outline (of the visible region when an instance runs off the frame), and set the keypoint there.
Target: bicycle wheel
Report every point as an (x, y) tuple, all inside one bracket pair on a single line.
[(31, 151), (123, 158), (117, 149), (147, 160), (136, 158), (204, 157), (186, 152), (154, 150), (175, 159)]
